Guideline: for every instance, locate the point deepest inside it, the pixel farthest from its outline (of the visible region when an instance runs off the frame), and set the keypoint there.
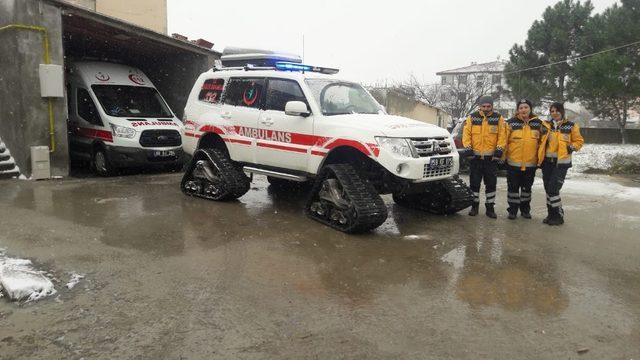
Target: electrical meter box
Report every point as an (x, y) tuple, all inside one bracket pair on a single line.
[(51, 80), (40, 163)]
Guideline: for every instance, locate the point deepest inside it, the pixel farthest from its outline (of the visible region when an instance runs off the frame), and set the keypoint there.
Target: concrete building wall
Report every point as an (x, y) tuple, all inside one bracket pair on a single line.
[(151, 14), (24, 120), (401, 105)]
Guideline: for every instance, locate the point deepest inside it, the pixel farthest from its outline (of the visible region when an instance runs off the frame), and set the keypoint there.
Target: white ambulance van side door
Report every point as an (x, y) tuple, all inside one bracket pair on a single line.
[(242, 99), (85, 123), (286, 139)]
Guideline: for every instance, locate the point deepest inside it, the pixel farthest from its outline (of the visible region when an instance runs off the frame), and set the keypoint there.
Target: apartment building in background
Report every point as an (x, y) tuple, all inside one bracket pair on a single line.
[(150, 14)]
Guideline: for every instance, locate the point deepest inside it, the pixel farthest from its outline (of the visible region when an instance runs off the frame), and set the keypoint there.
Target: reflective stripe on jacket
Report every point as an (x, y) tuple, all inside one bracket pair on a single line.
[(566, 134), (484, 134), (526, 141)]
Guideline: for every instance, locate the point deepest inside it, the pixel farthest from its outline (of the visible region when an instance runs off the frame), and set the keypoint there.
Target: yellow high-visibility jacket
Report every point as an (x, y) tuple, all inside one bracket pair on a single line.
[(484, 133), (564, 135), (526, 141)]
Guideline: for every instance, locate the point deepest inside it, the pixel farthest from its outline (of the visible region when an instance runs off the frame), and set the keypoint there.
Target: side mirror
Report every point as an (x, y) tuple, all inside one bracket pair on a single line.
[(296, 108)]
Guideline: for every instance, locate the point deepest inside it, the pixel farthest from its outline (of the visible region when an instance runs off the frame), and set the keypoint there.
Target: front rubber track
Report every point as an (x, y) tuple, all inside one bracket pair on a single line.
[(444, 197), (370, 210)]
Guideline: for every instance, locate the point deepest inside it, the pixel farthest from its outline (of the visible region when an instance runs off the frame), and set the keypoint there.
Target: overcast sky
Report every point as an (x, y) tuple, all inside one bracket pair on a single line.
[(368, 41)]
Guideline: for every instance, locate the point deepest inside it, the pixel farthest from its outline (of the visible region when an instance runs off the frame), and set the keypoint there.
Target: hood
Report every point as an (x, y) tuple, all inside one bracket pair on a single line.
[(390, 125)]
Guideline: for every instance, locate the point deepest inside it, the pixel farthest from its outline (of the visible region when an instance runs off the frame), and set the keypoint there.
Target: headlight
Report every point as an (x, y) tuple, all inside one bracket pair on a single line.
[(123, 131), (396, 145)]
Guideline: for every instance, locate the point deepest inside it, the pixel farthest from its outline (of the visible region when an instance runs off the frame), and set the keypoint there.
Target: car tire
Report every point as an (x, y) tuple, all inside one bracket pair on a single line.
[(101, 164)]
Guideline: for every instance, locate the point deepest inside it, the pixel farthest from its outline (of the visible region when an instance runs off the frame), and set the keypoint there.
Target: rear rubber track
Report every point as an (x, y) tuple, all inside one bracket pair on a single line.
[(234, 181)]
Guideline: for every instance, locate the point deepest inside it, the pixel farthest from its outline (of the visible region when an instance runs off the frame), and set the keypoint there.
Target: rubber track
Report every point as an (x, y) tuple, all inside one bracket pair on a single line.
[(4, 157), (370, 209), (444, 197), (236, 182)]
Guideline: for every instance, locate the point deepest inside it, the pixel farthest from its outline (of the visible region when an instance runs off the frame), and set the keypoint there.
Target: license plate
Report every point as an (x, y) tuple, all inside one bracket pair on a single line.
[(164, 153), (439, 163)]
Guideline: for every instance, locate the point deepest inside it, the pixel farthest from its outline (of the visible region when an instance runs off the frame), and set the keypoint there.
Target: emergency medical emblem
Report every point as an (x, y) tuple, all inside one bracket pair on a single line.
[(102, 76), (250, 95), (137, 79)]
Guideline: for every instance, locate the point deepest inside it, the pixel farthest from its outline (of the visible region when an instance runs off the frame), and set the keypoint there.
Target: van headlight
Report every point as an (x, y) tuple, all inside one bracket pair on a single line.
[(123, 131), (397, 146)]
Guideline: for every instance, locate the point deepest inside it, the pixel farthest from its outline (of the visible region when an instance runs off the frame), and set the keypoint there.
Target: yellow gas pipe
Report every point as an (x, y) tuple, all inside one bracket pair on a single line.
[(47, 60)]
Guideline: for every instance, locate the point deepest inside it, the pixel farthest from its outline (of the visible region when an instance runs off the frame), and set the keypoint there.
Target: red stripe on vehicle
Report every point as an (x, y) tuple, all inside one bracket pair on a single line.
[(238, 141), (189, 134), (318, 153), (95, 134), (212, 129), (282, 147), (351, 143)]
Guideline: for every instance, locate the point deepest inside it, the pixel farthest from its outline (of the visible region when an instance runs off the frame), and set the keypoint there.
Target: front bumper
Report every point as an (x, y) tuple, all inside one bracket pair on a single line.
[(122, 157), (417, 169)]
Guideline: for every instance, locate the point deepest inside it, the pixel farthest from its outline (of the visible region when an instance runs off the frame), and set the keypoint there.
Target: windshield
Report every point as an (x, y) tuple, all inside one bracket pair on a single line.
[(339, 98), (131, 101)]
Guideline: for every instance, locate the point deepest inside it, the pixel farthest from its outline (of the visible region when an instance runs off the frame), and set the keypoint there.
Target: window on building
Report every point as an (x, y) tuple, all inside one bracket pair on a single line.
[(496, 79), (444, 80), (87, 108), (462, 79), (246, 92), (280, 91)]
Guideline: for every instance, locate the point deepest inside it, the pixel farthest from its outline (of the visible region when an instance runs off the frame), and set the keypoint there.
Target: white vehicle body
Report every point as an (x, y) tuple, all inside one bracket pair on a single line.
[(116, 108), (261, 136)]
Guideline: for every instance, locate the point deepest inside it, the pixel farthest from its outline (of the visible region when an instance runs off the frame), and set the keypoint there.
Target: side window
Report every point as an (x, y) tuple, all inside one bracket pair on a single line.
[(280, 91), (244, 92), (86, 108), (211, 91)]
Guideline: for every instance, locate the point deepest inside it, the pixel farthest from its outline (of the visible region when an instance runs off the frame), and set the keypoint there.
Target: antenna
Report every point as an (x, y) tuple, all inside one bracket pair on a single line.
[(303, 48)]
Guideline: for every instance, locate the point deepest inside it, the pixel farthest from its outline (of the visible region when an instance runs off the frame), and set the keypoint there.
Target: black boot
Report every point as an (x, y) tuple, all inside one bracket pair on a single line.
[(525, 211), (474, 209), (555, 218), (546, 220), (491, 211)]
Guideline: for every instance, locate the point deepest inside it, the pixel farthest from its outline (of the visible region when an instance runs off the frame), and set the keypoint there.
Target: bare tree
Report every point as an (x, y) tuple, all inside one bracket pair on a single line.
[(458, 99)]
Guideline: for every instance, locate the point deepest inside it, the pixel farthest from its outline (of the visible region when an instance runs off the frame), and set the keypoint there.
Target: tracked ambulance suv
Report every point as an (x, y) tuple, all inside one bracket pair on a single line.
[(299, 123), (118, 119)]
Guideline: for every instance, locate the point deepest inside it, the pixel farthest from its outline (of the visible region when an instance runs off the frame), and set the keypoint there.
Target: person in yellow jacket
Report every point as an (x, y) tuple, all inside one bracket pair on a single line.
[(564, 138), (484, 139), (526, 136)]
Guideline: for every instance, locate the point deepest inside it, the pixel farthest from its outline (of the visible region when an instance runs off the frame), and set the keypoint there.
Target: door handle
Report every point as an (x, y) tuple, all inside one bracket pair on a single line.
[(226, 116), (267, 121)]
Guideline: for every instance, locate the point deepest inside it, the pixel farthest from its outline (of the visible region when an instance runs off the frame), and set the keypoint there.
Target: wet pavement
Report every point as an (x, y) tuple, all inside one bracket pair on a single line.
[(170, 277)]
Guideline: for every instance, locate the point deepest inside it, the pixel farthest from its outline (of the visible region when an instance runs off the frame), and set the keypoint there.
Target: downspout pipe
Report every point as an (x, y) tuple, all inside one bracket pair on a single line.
[(47, 60)]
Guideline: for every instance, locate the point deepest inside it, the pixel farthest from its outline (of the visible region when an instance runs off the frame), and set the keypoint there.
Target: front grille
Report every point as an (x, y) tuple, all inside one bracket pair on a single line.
[(438, 171), (426, 147), (160, 138)]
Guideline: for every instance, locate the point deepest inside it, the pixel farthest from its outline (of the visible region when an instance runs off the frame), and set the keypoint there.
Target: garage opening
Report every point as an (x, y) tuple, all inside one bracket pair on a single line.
[(172, 65)]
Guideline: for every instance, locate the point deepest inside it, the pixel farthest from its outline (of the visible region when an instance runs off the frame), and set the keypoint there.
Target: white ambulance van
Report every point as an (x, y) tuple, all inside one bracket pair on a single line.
[(118, 119)]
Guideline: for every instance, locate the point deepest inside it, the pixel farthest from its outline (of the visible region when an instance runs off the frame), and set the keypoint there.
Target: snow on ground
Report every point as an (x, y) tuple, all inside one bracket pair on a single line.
[(598, 156), (598, 186), (21, 282), (75, 279)]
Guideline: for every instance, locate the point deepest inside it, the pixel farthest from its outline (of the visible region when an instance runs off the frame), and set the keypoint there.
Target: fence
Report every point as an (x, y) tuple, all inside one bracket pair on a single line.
[(609, 136)]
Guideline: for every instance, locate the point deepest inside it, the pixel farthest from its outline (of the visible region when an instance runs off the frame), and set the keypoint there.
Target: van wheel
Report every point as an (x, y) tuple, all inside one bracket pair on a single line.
[(101, 163)]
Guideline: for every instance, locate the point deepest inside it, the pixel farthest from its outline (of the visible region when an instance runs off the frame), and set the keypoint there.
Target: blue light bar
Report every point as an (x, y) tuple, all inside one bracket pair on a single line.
[(289, 66)]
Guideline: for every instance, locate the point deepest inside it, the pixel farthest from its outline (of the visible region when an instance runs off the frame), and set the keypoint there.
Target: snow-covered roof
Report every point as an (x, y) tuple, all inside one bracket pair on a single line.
[(490, 67)]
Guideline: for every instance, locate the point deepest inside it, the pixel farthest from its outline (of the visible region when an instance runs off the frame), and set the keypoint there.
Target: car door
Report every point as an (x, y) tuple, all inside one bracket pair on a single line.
[(242, 100), (85, 124), (284, 139)]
